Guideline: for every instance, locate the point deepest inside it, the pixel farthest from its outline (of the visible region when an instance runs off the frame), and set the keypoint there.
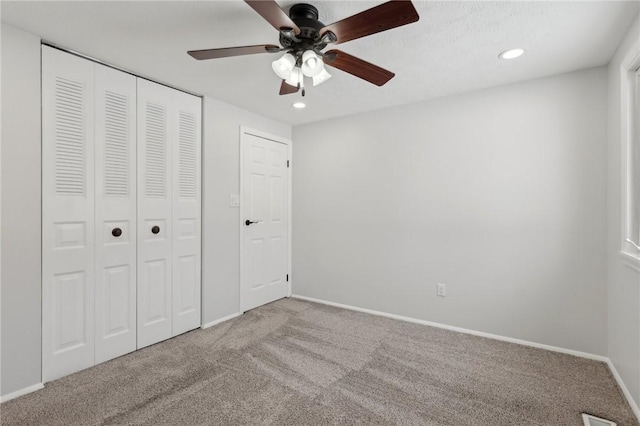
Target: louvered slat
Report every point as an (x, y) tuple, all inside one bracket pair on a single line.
[(116, 145), (187, 155), (155, 176), (70, 168)]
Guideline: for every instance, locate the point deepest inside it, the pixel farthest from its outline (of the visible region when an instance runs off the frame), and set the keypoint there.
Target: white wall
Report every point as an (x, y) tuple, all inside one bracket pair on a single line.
[(21, 207), (220, 222), (624, 281), (499, 193)]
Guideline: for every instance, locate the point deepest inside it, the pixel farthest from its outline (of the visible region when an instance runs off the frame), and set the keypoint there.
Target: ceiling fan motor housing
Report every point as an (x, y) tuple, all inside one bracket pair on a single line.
[(305, 16)]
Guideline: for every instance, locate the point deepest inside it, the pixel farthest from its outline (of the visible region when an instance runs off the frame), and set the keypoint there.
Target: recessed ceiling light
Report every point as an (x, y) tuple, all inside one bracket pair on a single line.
[(299, 105), (511, 54)]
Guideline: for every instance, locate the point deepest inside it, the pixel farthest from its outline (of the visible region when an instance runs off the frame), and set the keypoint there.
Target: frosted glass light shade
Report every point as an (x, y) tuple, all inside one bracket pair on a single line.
[(322, 77), (311, 64), (283, 66), (295, 78)]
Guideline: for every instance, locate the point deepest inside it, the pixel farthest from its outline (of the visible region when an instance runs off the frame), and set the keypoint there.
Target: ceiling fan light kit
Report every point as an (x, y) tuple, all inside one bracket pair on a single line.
[(303, 37), (310, 66)]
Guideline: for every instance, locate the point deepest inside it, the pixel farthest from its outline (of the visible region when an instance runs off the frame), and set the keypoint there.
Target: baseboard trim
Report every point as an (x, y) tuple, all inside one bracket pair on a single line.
[(221, 320), (459, 329), (606, 360), (625, 390), (23, 391)]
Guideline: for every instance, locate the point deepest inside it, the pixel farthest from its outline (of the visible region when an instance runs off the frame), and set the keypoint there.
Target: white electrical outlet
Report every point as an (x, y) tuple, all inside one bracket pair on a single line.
[(441, 290), (234, 200)]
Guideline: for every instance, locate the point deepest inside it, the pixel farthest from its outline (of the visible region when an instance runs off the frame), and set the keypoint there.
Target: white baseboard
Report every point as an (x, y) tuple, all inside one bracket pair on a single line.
[(23, 391), (625, 390), (221, 320), (460, 329)]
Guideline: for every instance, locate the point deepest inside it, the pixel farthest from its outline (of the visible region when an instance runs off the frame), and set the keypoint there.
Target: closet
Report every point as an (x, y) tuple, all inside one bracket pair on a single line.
[(121, 213)]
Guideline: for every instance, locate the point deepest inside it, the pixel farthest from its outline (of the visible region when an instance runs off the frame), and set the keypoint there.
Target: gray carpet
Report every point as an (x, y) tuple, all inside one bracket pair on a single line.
[(294, 363)]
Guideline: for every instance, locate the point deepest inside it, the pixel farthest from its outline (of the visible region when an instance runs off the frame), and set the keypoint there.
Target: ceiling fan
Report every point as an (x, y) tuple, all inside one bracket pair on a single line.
[(303, 37)]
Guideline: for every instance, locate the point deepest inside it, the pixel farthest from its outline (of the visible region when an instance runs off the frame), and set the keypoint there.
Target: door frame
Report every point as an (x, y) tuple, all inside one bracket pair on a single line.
[(243, 141)]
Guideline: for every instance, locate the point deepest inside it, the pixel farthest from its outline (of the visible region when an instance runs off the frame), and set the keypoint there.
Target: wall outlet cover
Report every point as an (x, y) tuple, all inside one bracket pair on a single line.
[(441, 290), (234, 200)]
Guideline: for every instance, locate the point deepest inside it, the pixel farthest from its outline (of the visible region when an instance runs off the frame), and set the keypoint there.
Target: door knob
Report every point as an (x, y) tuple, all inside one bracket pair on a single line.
[(248, 222), (155, 229), (116, 232)]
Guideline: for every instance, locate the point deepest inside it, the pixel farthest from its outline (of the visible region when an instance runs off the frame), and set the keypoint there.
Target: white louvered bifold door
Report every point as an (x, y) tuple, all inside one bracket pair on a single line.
[(115, 238), (68, 214), (154, 213), (186, 212)]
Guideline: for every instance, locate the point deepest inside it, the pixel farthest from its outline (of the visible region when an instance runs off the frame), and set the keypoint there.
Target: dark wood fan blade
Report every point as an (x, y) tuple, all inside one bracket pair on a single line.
[(286, 89), (355, 66), (226, 52), (272, 13), (377, 19)]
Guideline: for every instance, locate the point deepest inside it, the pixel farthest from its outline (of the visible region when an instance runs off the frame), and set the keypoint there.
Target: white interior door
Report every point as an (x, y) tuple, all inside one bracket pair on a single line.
[(265, 221), (115, 192), (154, 213), (186, 212), (67, 214)]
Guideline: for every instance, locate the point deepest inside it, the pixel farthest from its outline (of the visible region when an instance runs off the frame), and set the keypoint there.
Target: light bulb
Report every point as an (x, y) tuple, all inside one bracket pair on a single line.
[(283, 66), (311, 64)]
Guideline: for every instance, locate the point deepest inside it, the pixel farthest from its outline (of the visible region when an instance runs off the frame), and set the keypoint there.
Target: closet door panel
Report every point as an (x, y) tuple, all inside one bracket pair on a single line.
[(115, 238), (68, 214), (154, 213), (186, 213)]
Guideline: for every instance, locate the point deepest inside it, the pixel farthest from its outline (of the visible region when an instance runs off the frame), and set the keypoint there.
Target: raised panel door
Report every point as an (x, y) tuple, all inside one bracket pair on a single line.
[(154, 275), (115, 236), (186, 212), (67, 214), (265, 236)]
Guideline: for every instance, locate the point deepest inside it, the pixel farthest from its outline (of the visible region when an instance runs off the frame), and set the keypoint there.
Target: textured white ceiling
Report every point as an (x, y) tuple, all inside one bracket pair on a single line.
[(453, 48)]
